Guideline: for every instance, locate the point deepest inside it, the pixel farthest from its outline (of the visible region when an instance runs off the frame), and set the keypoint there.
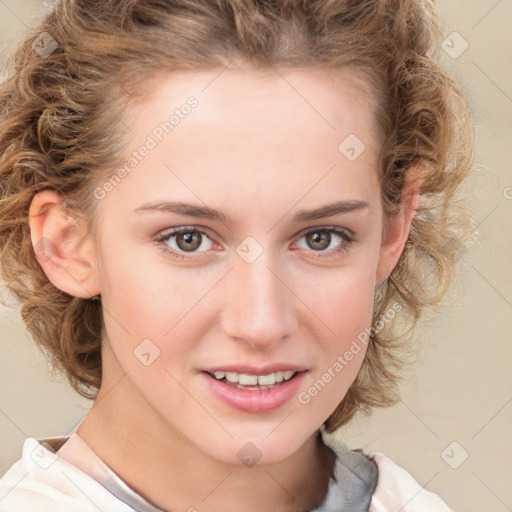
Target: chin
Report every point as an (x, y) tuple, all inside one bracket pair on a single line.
[(251, 446)]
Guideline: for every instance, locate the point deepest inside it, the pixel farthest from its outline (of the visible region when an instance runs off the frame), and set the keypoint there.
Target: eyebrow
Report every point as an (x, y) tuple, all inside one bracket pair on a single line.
[(204, 212)]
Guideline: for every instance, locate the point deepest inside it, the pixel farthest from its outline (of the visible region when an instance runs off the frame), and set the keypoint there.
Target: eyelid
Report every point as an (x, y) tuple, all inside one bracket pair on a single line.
[(305, 231), (166, 233)]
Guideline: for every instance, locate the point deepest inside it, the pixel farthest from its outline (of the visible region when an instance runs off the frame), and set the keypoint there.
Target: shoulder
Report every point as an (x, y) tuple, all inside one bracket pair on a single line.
[(41, 481), (396, 487)]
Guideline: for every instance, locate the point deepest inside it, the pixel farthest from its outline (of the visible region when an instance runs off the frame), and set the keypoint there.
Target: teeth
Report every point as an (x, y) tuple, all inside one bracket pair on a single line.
[(265, 380), (247, 380), (253, 380), (232, 377)]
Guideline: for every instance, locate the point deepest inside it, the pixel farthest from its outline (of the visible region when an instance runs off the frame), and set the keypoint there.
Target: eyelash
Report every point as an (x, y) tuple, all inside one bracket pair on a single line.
[(346, 238)]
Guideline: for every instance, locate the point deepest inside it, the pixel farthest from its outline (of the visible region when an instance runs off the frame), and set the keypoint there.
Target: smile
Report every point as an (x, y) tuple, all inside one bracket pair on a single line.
[(245, 381), (254, 392)]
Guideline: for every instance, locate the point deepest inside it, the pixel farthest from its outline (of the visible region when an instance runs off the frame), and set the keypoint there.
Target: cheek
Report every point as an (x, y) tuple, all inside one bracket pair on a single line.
[(343, 301), (151, 301), (350, 308), (343, 306), (350, 320), (147, 320)]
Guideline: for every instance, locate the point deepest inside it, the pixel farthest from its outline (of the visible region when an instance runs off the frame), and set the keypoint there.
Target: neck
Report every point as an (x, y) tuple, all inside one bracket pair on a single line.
[(169, 471)]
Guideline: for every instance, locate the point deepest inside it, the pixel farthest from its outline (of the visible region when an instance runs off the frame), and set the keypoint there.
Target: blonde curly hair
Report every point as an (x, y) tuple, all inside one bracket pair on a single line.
[(61, 129)]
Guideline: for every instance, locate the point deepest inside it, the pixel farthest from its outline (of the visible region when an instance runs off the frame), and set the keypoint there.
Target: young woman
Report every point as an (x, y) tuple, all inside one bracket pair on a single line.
[(213, 212)]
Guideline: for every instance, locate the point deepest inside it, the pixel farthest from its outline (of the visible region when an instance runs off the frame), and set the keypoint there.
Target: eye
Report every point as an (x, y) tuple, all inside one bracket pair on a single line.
[(327, 241), (187, 239), (322, 242)]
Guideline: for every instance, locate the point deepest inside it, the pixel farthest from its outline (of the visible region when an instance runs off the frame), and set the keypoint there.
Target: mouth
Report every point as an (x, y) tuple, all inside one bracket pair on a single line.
[(255, 390), (253, 382)]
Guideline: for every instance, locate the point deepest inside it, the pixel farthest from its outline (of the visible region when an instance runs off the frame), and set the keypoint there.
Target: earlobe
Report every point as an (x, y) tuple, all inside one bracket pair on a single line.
[(397, 227), (62, 246)]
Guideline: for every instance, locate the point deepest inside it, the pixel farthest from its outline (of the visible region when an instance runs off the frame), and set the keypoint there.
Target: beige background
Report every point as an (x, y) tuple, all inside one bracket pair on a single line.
[(461, 387)]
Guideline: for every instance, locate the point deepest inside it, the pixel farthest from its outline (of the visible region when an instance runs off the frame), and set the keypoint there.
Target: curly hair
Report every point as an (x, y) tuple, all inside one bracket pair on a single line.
[(61, 128)]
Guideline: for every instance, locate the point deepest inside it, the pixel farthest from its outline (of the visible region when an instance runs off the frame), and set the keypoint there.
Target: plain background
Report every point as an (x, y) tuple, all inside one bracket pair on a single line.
[(452, 429)]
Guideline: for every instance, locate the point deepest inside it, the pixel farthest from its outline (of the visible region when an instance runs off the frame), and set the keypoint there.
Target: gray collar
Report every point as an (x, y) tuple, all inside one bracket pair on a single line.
[(354, 478)]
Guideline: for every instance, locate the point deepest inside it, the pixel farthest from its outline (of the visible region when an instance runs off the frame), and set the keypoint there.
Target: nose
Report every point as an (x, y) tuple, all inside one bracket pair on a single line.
[(259, 303)]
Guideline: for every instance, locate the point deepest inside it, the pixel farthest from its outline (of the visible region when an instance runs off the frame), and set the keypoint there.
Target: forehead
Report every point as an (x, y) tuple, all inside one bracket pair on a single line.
[(333, 101), (274, 133)]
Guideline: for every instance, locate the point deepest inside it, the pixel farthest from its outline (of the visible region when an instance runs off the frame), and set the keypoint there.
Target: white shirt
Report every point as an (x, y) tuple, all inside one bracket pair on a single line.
[(47, 478)]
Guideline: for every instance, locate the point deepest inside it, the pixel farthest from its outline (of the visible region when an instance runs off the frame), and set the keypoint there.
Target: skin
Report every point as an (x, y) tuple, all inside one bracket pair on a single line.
[(260, 148)]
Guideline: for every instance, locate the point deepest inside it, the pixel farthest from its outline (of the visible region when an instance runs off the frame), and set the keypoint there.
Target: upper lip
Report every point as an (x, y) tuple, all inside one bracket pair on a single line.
[(256, 370)]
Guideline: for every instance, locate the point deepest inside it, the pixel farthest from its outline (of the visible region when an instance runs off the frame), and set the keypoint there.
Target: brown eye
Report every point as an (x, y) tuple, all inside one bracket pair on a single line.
[(319, 240), (189, 241), (326, 242), (180, 241)]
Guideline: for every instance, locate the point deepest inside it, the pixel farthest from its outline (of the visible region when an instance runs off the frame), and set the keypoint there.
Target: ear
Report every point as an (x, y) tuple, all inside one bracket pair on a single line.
[(62, 246), (397, 226)]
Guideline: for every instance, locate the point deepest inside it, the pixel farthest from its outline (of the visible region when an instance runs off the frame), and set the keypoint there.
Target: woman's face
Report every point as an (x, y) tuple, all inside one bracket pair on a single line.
[(274, 180)]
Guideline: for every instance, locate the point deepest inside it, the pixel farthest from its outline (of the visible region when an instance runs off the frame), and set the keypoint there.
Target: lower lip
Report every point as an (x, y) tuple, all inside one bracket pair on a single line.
[(258, 400)]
